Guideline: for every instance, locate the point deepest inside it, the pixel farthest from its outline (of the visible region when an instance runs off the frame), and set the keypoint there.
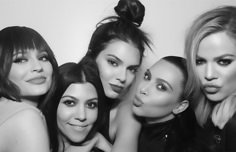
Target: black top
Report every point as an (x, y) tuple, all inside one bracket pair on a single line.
[(153, 137), (213, 139), (176, 135)]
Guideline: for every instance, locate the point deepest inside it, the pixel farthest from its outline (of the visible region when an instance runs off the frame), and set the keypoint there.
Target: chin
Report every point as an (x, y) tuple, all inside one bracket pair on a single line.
[(215, 98), (136, 111), (36, 92), (112, 95)]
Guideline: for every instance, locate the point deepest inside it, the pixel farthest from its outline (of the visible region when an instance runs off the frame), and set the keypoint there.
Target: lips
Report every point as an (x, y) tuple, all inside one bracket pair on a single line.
[(137, 101), (79, 127), (211, 89), (116, 88), (37, 80)]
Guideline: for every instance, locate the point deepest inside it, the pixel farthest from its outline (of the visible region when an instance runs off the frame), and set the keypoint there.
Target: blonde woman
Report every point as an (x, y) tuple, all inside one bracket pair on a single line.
[(210, 50)]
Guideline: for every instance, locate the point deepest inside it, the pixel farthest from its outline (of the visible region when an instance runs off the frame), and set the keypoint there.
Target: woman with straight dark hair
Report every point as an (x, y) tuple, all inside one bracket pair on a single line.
[(162, 106), (28, 74), (117, 45), (76, 112)]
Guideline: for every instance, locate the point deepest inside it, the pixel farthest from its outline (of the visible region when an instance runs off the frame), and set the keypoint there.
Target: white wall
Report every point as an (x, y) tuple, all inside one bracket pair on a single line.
[(67, 25)]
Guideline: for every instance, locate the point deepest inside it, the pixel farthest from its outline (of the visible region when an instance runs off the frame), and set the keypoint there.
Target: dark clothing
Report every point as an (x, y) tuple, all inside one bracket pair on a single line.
[(217, 140), (104, 129), (175, 135), (153, 137)]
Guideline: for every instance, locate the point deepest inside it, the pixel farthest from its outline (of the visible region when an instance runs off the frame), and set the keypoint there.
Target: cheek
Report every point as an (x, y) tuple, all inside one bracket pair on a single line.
[(63, 114), (17, 74), (92, 115), (130, 79), (230, 80), (161, 104), (200, 72), (48, 69)]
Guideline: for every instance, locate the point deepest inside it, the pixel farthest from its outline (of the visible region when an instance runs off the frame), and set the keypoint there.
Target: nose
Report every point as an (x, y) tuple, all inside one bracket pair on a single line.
[(210, 73), (122, 75), (81, 114), (36, 66), (143, 90)]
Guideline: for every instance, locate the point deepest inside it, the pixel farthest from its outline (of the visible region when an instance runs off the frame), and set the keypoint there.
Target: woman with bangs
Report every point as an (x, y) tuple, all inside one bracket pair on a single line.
[(28, 71)]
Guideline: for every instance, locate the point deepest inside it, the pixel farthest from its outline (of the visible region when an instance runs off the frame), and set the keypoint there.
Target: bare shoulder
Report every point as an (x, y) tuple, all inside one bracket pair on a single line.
[(125, 116), (127, 130), (26, 131)]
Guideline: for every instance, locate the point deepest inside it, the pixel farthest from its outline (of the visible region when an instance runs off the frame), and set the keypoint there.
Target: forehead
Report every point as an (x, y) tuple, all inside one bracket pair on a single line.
[(122, 50), (80, 90), (217, 44), (168, 72)]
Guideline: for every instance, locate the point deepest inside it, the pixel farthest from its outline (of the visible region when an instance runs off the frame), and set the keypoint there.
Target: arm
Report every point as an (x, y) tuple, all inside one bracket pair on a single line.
[(27, 132), (127, 131), (102, 143), (97, 141)]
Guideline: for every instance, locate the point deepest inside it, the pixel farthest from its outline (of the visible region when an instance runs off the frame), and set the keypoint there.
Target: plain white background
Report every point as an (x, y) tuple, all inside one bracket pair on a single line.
[(67, 25)]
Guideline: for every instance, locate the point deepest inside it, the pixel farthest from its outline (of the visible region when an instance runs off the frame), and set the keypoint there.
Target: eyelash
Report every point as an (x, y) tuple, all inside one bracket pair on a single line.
[(199, 61), (161, 87), (92, 105), (69, 103), (112, 62), (19, 60), (224, 62), (22, 59), (133, 70), (44, 58)]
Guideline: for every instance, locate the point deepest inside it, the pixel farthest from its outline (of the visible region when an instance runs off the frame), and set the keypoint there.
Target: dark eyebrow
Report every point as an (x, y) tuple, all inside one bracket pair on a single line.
[(92, 99), (111, 55), (225, 55), (68, 96)]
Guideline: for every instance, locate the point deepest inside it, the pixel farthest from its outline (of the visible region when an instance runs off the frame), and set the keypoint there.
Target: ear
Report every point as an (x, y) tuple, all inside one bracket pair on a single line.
[(183, 105)]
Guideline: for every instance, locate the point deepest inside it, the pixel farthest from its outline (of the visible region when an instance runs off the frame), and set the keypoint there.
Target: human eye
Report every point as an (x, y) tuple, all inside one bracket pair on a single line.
[(69, 103), (112, 62), (44, 57), (224, 62), (161, 86), (199, 61), (92, 104), (19, 59), (134, 69)]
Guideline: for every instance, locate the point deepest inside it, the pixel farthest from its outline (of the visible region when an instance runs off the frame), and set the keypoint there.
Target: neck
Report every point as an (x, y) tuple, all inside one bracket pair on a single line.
[(31, 100), (159, 120)]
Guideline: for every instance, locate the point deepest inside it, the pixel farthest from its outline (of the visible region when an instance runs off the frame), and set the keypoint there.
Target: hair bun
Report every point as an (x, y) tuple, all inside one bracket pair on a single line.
[(132, 10)]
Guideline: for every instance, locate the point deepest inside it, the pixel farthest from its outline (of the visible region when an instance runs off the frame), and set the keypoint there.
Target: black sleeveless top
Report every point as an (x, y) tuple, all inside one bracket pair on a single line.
[(176, 135)]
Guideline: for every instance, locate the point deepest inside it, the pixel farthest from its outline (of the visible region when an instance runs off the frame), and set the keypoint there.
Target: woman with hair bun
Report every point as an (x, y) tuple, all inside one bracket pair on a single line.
[(117, 46)]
